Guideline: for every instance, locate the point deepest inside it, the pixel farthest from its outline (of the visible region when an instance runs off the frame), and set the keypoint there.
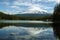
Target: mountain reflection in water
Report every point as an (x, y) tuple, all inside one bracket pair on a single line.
[(26, 32)]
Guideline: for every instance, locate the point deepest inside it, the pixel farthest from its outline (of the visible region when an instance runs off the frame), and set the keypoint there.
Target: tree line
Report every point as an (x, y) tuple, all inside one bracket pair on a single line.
[(4, 16)]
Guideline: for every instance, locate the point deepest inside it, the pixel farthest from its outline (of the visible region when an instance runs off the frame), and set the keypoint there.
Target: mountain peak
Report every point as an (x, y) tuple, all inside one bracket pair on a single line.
[(33, 12)]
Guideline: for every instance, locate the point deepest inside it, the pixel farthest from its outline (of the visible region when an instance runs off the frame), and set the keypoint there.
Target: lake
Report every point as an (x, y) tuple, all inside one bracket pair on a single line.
[(30, 30)]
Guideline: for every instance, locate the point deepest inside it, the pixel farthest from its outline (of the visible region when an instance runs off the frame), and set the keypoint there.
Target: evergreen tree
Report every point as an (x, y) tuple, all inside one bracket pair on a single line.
[(56, 20)]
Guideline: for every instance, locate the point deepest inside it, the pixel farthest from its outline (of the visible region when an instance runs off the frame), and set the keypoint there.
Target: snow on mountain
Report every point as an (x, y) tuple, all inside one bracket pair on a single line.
[(33, 12)]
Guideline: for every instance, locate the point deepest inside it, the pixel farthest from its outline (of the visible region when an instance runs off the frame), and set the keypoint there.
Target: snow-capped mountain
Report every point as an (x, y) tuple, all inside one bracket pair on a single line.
[(33, 14)]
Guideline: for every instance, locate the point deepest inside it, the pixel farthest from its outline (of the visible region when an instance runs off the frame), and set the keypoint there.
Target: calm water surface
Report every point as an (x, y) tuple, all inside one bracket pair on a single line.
[(28, 31)]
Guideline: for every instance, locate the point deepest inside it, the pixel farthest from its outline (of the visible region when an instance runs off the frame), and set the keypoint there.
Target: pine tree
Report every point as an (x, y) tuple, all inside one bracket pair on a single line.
[(56, 20)]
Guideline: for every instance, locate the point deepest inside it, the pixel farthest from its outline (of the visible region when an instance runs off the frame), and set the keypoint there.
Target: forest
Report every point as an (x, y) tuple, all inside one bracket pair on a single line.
[(4, 16)]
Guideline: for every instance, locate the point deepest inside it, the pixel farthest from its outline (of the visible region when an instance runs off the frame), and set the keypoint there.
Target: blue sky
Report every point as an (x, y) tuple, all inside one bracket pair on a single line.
[(17, 6)]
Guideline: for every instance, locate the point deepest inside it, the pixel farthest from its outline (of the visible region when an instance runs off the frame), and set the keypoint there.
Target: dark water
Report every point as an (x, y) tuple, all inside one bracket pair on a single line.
[(26, 32)]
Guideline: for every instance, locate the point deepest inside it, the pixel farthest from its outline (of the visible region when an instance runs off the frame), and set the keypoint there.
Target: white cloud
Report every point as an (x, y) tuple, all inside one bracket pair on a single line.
[(31, 6), (36, 8), (31, 1), (15, 7), (11, 12), (57, 1)]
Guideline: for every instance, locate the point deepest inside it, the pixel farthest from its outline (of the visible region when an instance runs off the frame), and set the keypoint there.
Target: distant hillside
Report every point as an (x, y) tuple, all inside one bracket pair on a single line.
[(32, 15), (4, 16), (35, 16)]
